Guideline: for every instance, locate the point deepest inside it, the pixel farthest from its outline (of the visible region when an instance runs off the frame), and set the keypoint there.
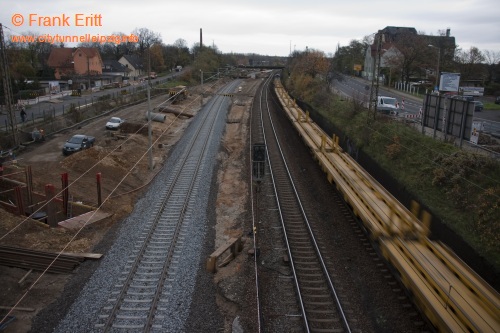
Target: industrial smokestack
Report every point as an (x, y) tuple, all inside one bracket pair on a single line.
[(201, 38), (448, 32)]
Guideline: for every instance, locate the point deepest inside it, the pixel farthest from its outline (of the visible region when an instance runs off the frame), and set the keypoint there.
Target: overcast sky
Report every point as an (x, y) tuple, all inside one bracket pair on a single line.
[(271, 27)]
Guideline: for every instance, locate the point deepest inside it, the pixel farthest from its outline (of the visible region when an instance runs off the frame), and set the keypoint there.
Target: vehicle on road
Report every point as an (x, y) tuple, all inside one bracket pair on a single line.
[(114, 123), (463, 98), (478, 106), (76, 143), (387, 105)]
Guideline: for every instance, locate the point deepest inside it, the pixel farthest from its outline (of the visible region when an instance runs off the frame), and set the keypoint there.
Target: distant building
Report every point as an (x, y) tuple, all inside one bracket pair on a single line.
[(114, 72), (70, 62), (391, 36), (135, 66)]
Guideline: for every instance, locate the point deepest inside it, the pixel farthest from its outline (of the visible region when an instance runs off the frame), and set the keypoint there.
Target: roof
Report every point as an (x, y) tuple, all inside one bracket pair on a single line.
[(393, 33), (134, 60), (113, 66), (63, 56), (445, 42), (60, 57)]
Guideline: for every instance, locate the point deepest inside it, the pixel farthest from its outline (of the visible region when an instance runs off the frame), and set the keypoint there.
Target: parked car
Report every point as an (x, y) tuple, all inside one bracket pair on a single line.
[(76, 143), (114, 123), (478, 106), (463, 98)]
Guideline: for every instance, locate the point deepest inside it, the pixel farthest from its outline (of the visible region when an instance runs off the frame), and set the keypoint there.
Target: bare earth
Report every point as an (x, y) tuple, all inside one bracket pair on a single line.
[(123, 179)]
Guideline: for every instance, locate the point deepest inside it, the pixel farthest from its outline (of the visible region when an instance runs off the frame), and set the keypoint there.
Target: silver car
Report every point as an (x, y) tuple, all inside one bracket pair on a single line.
[(114, 123)]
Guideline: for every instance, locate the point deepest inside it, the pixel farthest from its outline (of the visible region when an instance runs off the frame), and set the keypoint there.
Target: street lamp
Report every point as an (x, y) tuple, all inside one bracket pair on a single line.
[(437, 69)]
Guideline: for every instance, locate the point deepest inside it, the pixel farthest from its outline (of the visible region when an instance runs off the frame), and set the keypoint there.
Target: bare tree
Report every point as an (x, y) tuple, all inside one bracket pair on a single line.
[(492, 60), (412, 49), (180, 43), (116, 49), (469, 63), (146, 39)]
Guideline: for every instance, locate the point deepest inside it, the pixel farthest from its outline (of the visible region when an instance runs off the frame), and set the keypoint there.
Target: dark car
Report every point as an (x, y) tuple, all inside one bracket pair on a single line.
[(478, 106), (463, 98), (78, 142), (497, 100)]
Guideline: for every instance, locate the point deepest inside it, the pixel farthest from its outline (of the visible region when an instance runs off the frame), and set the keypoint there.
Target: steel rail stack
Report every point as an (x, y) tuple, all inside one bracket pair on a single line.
[(452, 296)]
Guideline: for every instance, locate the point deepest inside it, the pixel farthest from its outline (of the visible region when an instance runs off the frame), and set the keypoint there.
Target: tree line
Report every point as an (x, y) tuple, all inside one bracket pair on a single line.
[(28, 60)]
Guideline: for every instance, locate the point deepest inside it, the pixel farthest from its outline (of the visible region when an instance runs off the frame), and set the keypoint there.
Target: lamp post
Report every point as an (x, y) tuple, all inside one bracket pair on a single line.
[(437, 67)]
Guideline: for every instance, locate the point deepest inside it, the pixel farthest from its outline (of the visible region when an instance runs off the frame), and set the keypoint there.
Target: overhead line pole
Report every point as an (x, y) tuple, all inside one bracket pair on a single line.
[(375, 75), (379, 49), (150, 133), (7, 88)]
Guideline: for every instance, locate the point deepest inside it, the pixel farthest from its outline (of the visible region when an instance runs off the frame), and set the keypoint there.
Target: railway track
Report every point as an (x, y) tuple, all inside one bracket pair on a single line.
[(319, 305), (452, 296), (138, 300)]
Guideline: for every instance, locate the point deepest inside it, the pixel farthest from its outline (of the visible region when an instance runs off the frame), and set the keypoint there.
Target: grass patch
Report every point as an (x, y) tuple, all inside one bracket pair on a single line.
[(491, 106)]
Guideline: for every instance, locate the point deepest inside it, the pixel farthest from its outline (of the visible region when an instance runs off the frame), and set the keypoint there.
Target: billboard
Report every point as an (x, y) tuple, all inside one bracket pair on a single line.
[(472, 91), (54, 87), (449, 116), (449, 82)]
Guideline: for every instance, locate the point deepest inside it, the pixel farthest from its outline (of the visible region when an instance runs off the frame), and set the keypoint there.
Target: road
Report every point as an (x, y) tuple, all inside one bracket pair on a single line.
[(58, 104), (359, 89)]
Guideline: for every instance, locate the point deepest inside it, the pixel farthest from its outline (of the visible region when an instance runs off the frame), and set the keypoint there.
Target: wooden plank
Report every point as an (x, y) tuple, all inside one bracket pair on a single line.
[(467, 306), (85, 219), (84, 255), (425, 296), (16, 308), (233, 243)]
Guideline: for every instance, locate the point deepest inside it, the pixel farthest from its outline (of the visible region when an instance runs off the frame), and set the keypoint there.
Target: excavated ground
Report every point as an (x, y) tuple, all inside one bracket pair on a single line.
[(116, 158)]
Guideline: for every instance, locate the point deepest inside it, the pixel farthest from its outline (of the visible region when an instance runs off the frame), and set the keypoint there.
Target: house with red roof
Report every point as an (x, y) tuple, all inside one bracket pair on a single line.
[(79, 62)]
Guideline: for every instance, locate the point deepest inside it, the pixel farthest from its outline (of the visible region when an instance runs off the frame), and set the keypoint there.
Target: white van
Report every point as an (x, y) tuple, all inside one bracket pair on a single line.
[(387, 104)]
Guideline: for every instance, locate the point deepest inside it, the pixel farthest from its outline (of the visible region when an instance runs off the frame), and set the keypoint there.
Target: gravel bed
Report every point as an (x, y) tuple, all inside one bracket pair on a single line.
[(89, 298)]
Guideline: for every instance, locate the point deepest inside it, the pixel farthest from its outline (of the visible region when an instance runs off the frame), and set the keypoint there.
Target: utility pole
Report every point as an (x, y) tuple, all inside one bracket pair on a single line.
[(375, 75), (150, 133), (7, 88), (379, 49), (88, 77)]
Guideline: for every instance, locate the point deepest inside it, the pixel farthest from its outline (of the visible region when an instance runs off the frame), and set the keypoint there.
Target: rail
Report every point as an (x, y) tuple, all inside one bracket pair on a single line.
[(451, 295), (320, 305)]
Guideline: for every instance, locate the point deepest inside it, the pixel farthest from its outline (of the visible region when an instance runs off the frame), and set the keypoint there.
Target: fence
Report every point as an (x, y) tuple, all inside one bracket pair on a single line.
[(59, 116)]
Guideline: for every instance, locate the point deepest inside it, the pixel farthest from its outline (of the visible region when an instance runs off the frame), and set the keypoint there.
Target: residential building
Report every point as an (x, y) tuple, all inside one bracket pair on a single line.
[(387, 51), (114, 72), (80, 64), (135, 66)]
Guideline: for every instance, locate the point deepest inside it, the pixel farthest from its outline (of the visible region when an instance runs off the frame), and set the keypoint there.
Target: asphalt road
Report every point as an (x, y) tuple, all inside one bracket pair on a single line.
[(358, 88), (58, 104)]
